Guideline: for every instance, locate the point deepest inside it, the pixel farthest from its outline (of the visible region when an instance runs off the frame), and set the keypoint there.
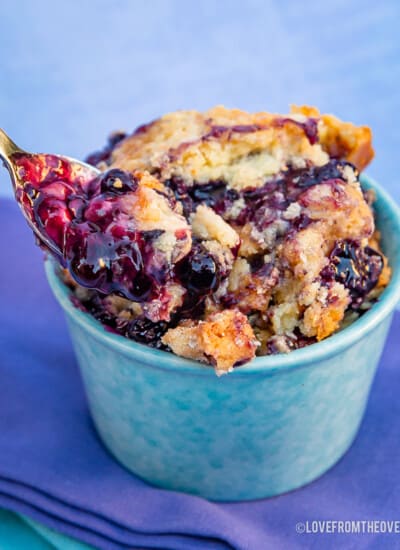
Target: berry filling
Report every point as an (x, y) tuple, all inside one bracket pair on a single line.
[(263, 205), (357, 268), (139, 329)]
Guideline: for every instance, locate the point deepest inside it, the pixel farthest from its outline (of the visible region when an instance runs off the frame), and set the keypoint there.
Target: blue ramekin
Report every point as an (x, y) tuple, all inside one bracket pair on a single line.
[(266, 428)]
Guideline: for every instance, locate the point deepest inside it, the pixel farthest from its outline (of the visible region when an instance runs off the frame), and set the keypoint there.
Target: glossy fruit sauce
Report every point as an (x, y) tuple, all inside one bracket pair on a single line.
[(90, 226)]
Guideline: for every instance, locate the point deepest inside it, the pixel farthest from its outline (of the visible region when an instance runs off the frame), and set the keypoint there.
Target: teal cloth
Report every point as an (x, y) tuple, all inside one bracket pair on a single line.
[(15, 534), (20, 533)]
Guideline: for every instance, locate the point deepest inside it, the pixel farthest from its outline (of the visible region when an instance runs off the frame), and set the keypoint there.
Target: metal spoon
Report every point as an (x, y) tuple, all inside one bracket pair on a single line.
[(11, 153)]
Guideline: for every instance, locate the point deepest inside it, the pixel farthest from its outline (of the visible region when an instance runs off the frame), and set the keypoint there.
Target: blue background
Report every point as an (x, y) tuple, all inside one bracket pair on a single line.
[(73, 71)]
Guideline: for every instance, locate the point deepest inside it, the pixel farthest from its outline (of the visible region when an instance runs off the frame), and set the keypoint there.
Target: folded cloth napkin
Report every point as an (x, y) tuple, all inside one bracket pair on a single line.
[(54, 469)]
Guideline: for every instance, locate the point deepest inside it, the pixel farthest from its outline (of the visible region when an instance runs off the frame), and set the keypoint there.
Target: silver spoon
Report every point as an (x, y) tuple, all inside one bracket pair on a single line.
[(12, 155)]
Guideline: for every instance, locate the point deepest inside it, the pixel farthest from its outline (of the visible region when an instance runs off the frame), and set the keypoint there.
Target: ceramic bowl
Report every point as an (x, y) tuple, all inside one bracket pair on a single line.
[(270, 426)]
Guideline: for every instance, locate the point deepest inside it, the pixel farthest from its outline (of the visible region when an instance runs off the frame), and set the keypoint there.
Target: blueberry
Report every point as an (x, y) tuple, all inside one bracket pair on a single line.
[(141, 288), (202, 276), (357, 268), (332, 170), (105, 154), (209, 193), (214, 194), (117, 182), (77, 206), (144, 331)]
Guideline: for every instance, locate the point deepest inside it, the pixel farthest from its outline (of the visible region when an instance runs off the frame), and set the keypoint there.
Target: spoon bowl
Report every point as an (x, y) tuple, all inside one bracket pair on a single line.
[(16, 160), (100, 225)]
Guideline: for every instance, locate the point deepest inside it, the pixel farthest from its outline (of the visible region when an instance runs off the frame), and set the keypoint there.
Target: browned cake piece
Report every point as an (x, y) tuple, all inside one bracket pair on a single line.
[(224, 339)]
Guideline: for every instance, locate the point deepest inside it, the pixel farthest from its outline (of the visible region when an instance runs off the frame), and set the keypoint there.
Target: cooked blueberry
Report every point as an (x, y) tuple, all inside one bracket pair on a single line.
[(214, 194), (144, 331), (141, 287), (54, 217), (259, 266), (315, 175), (202, 275), (208, 194), (94, 304), (357, 268), (105, 154), (117, 182), (77, 206)]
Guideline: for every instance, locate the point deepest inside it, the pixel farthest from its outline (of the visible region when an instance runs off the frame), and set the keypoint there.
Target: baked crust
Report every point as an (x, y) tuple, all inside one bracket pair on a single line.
[(241, 148), (341, 139), (224, 339)]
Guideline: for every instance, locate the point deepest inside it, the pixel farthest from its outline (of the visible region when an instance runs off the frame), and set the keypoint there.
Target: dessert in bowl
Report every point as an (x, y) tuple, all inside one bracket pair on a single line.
[(219, 237)]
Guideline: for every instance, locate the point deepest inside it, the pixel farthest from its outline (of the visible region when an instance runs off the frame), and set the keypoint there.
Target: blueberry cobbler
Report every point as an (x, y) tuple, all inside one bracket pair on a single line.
[(218, 236)]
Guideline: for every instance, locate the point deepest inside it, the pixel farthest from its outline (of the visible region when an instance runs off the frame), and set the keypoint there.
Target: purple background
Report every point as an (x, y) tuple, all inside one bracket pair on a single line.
[(70, 72)]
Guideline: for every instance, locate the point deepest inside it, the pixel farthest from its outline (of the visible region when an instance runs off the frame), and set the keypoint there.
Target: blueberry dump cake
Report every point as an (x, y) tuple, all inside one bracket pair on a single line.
[(218, 236)]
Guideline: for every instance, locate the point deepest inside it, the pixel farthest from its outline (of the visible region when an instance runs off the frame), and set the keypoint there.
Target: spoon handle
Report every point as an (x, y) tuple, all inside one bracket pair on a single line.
[(7, 147)]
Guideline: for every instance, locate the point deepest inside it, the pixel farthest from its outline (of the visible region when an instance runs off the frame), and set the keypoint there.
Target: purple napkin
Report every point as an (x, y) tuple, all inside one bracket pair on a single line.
[(54, 469)]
